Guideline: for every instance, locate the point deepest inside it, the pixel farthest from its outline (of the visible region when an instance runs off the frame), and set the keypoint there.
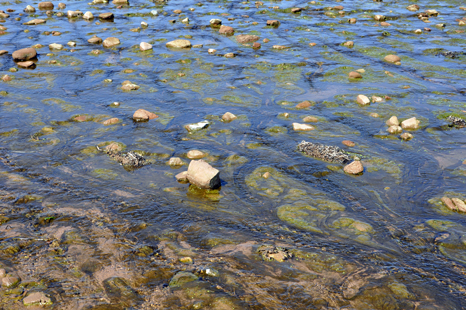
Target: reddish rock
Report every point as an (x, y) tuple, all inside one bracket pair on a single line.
[(304, 105), (256, 45), (246, 38), (226, 30), (348, 143), (24, 54), (450, 205), (392, 58), (143, 115), (6, 78), (111, 121), (354, 168), (354, 75)]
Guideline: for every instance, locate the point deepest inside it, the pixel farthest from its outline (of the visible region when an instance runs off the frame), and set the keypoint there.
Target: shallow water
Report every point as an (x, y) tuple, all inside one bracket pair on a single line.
[(91, 234)]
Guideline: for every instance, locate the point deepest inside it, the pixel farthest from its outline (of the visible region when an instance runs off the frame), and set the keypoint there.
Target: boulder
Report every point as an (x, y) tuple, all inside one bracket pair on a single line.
[(203, 175), (111, 41), (362, 100), (355, 167), (179, 44), (24, 54), (410, 123)]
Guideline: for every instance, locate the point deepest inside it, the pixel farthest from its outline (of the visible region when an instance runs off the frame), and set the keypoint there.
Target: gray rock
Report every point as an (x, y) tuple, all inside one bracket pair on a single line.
[(203, 175)]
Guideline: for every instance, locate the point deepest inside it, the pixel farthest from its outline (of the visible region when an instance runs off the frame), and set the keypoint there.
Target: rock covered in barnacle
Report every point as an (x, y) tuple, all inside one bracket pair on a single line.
[(324, 152), (130, 159), (456, 121)]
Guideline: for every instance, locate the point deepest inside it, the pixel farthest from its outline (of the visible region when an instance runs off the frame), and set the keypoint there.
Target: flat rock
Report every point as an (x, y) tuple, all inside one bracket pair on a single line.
[(128, 86), (37, 299), (144, 115), (111, 41), (180, 43), (348, 143), (410, 123), (362, 100), (246, 38), (3, 52), (111, 121), (304, 105), (302, 127), (73, 14), (181, 278), (310, 119), (392, 58), (36, 21), (355, 167), (195, 154), (106, 16), (95, 40), (226, 30), (144, 46), (24, 54), (10, 281), (55, 46), (26, 64), (228, 117), (203, 175)]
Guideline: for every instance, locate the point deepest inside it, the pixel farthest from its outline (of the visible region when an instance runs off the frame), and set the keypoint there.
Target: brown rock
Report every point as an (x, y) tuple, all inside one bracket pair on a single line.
[(413, 7), (392, 58), (450, 205), (310, 119), (95, 40), (203, 175), (35, 22), (406, 136), (24, 54), (61, 6), (394, 129), (113, 148), (266, 175), (111, 121), (362, 100), (273, 23), (111, 41), (296, 10), (354, 75), (228, 117), (354, 168), (459, 204), (352, 20), (82, 118), (26, 64), (246, 38), (349, 44), (143, 115), (6, 78), (10, 281), (195, 154), (226, 30), (266, 40), (348, 143), (304, 105), (182, 177), (256, 45), (45, 6), (37, 299), (385, 24), (106, 16)]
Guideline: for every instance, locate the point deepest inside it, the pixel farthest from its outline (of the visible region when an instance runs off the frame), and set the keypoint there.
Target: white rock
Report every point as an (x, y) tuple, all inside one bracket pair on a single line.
[(377, 99), (410, 123), (88, 15), (71, 43), (211, 50), (144, 25), (154, 12), (185, 21), (302, 127), (197, 126), (215, 22), (363, 100), (144, 46), (203, 175), (56, 46)]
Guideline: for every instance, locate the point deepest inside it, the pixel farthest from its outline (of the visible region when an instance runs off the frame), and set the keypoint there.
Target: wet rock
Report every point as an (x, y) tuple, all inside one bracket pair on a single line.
[(143, 115), (272, 253), (302, 127), (113, 148), (198, 46), (432, 13), (144, 25), (186, 260), (129, 86), (195, 154), (182, 177), (3, 52), (379, 17), (6, 78), (120, 2), (111, 41), (393, 121), (226, 30), (37, 299), (71, 43), (266, 175), (385, 24), (459, 204), (394, 129), (88, 15), (24, 54), (348, 44), (273, 23), (228, 117), (418, 31), (348, 143), (95, 40), (411, 123), (376, 99), (246, 38), (2, 272), (35, 22), (119, 291), (74, 14), (203, 175), (106, 16), (279, 47), (175, 161), (456, 121), (450, 205), (26, 64), (355, 167), (61, 6), (181, 278), (352, 20), (179, 44), (211, 50), (392, 58), (45, 5), (29, 9), (304, 105), (129, 159), (406, 136), (10, 281), (229, 55), (354, 75), (328, 153), (362, 100), (197, 126), (111, 121), (310, 119), (256, 45), (413, 7), (215, 22), (55, 46), (144, 46)]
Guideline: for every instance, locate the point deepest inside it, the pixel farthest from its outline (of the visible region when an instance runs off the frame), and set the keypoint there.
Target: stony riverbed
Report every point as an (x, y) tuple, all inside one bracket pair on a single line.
[(105, 104)]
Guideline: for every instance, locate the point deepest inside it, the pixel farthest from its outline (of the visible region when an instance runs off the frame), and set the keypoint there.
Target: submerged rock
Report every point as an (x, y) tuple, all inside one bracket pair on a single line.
[(197, 126), (246, 38), (270, 253), (228, 117), (203, 175), (328, 153), (37, 299), (111, 41), (456, 121), (302, 127), (181, 278)]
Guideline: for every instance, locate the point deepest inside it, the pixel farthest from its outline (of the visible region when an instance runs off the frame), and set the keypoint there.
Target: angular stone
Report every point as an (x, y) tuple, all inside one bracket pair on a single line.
[(392, 58), (111, 121), (393, 121), (95, 40), (226, 30), (394, 129), (182, 177), (73, 14), (354, 75), (37, 299), (228, 117), (195, 154), (459, 204), (111, 41), (203, 175), (144, 46), (410, 123), (106, 16), (450, 205), (175, 161), (362, 100), (406, 136), (304, 105), (246, 38), (24, 54), (88, 15), (26, 64), (36, 21), (45, 6), (144, 115), (302, 127), (355, 167), (179, 44), (10, 281)]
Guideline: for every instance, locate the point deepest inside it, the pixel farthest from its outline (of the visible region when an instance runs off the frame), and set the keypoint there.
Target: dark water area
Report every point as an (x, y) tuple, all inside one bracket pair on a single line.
[(284, 230)]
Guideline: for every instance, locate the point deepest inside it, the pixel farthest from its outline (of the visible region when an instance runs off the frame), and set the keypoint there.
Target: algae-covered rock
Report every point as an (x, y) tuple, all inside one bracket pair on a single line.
[(181, 278), (119, 291)]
